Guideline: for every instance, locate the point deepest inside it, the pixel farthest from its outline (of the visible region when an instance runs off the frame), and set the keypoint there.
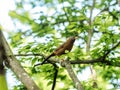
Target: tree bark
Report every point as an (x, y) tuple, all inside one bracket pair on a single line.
[(16, 67), (72, 75)]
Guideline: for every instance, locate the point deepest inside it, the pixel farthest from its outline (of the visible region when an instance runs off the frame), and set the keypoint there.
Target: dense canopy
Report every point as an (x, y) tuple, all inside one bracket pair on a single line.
[(42, 25)]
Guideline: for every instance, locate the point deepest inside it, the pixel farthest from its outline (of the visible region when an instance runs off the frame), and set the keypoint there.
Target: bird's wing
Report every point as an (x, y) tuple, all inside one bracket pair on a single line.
[(60, 47)]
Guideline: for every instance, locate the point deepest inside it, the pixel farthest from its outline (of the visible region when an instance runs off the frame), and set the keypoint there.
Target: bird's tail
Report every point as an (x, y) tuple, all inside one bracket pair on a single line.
[(45, 59)]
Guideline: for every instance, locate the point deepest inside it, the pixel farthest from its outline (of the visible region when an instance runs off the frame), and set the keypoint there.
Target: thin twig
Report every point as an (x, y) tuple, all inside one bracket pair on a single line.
[(65, 12), (108, 51), (90, 33)]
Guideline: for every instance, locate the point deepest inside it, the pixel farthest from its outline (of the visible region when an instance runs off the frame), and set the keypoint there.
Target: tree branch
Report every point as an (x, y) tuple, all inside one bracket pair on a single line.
[(37, 54), (72, 75), (108, 51), (55, 77), (16, 67), (92, 61), (99, 60), (88, 44)]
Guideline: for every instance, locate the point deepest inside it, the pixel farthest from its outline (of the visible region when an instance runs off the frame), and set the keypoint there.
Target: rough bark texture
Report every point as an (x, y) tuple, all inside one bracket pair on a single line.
[(16, 67)]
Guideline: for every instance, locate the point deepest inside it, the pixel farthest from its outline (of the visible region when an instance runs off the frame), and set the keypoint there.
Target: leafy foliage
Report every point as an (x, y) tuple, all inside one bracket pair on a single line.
[(50, 22)]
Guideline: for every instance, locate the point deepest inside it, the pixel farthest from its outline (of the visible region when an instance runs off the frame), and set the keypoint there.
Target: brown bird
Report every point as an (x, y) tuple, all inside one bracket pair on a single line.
[(61, 49)]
